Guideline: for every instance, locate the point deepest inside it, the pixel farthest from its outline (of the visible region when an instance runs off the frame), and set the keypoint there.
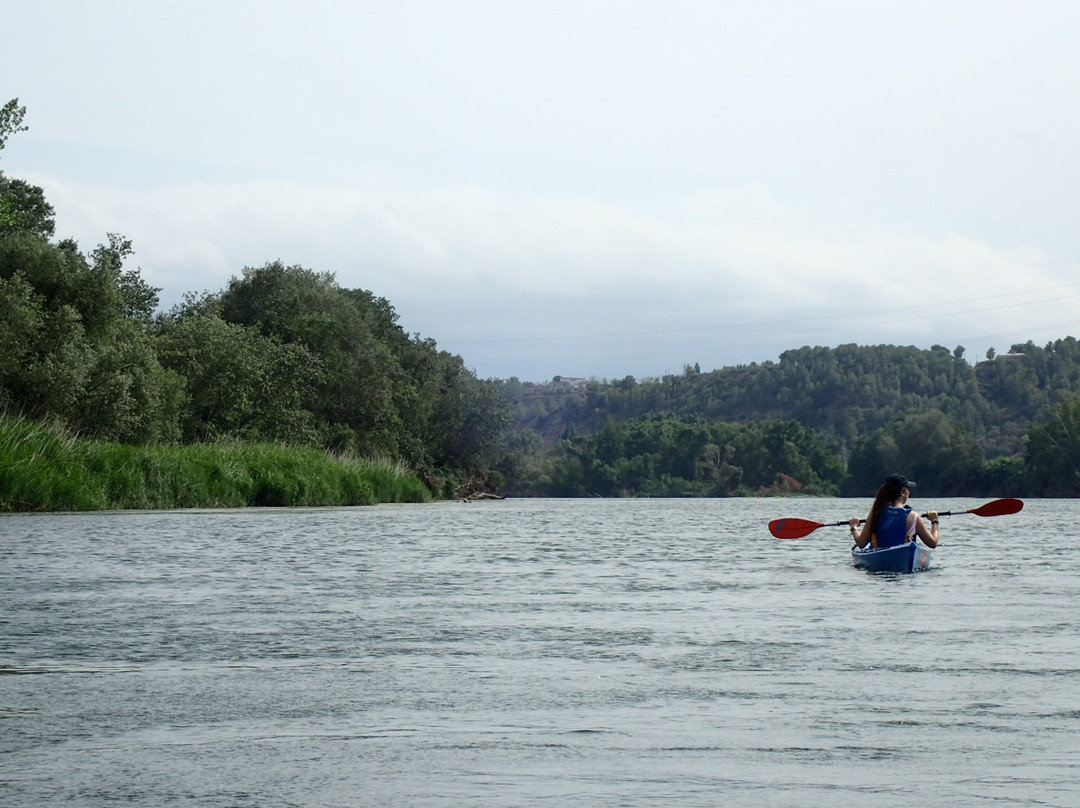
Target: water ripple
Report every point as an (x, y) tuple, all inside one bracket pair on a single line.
[(608, 653)]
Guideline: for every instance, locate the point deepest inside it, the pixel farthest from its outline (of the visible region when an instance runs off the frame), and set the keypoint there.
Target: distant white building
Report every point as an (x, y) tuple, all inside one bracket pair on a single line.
[(568, 383)]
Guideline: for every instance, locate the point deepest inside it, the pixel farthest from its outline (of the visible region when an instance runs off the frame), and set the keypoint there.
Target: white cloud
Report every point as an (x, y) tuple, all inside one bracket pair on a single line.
[(717, 277)]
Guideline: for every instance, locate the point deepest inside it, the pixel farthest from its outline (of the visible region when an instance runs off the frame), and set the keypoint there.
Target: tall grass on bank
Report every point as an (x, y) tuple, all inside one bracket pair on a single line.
[(44, 469)]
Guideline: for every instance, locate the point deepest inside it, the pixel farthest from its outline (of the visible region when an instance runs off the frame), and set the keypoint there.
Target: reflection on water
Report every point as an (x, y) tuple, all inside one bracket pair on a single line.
[(629, 653)]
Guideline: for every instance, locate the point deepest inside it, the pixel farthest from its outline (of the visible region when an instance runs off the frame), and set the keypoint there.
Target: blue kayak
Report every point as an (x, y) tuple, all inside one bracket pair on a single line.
[(910, 557)]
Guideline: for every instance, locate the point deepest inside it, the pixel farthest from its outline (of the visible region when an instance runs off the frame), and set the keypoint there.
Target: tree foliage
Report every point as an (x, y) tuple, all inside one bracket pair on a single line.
[(686, 456), (957, 428), (240, 385), (932, 449), (11, 120), (70, 353), (1053, 450), (374, 390), (23, 209)]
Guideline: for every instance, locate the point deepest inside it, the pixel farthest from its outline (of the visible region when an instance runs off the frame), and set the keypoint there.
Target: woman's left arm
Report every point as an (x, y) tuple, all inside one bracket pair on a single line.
[(860, 537)]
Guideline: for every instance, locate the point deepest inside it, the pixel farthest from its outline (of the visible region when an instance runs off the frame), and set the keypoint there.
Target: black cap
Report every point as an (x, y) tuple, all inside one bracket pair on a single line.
[(899, 481)]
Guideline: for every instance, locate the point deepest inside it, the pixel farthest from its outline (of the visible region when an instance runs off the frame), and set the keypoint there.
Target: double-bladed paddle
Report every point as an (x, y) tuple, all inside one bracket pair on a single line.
[(797, 528)]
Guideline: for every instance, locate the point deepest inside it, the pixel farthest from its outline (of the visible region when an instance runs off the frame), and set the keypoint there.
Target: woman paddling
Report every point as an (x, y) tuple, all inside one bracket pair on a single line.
[(892, 521)]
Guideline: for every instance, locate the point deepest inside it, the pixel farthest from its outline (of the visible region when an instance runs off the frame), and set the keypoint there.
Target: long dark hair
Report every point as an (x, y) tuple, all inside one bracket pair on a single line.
[(887, 494)]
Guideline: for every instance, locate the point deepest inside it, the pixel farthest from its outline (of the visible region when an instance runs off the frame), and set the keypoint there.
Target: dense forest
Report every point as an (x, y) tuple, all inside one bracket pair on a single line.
[(283, 356), (828, 420)]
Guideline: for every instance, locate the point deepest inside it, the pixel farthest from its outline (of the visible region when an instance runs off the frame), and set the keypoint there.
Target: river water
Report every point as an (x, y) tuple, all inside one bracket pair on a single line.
[(535, 652)]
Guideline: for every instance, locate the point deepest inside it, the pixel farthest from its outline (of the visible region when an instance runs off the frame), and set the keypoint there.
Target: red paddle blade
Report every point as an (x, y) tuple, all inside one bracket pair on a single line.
[(998, 507), (793, 528)]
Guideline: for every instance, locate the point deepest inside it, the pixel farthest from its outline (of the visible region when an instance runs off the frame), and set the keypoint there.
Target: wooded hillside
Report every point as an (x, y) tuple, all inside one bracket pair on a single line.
[(930, 413)]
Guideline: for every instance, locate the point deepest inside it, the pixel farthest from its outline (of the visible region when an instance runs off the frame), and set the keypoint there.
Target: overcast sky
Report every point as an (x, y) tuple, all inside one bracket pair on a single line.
[(593, 189)]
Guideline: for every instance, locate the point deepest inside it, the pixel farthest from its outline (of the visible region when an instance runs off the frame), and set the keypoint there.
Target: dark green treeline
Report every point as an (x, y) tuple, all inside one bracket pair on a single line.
[(820, 421)]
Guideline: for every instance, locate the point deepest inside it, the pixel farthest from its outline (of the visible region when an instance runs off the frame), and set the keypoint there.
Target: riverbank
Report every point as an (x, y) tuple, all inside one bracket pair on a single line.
[(44, 469)]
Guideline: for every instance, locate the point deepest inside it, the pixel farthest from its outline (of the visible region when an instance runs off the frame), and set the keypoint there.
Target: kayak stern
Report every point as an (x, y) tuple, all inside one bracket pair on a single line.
[(909, 557)]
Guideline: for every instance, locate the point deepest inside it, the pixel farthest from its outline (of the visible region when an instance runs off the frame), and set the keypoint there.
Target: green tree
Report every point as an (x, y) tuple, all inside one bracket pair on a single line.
[(355, 383), (928, 447), (54, 352), (23, 209), (471, 417), (680, 456), (129, 397), (1053, 450), (71, 354), (378, 390), (239, 384), (11, 120)]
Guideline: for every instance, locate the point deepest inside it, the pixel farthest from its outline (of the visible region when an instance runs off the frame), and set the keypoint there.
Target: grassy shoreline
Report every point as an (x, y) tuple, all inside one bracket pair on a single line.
[(44, 469)]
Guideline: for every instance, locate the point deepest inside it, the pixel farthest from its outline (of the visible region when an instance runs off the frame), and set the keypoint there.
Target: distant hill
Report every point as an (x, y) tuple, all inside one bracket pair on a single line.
[(869, 407)]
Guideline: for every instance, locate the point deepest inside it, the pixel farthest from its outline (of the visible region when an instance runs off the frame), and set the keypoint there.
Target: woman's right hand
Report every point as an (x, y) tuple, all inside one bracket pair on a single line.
[(854, 522)]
